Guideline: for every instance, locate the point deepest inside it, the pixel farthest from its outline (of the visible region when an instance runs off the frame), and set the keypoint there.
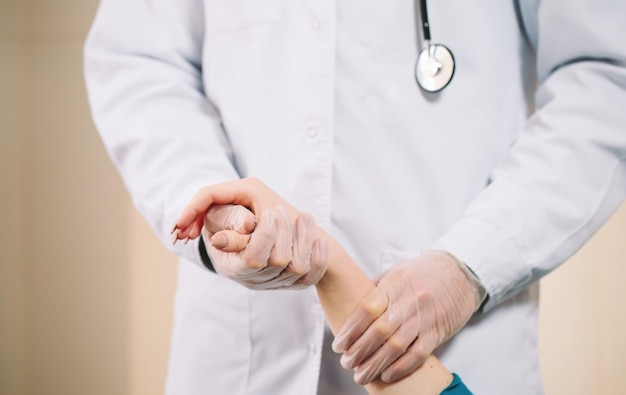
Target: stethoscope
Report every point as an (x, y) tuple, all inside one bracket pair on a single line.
[(435, 63)]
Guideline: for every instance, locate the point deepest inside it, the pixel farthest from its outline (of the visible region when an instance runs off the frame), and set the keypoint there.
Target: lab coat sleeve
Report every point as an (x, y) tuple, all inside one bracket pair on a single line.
[(565, 174), (144, 82)]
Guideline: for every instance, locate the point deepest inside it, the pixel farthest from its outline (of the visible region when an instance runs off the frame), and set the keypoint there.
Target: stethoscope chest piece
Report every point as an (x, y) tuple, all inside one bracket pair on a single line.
[(435, 64), (434, 67)]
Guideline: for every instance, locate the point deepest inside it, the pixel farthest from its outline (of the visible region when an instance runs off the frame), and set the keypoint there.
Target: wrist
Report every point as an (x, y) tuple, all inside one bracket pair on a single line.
[(478, 289)]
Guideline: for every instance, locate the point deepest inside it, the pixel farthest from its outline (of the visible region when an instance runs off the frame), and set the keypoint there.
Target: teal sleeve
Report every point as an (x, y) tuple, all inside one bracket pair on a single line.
[(456, 387)]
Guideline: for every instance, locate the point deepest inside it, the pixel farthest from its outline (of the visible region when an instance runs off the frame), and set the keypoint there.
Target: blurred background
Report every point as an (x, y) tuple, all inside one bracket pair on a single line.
[(85, 288)]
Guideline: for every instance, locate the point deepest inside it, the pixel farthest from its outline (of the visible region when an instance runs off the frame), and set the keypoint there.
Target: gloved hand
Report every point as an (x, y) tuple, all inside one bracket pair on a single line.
[(278, 253), (415, 307)]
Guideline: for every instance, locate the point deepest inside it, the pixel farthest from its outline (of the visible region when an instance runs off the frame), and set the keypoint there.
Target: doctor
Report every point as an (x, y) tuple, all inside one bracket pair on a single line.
[(505, 172)]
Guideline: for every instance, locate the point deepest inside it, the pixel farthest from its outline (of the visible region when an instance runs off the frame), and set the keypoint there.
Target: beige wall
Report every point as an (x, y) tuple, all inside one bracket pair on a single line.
[(583, 319), (152, 279), (12, 324), (78, 309), (85, 288)]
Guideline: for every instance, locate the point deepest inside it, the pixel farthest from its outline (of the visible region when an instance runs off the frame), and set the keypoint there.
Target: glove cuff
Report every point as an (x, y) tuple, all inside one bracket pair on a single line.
[(478, 287)]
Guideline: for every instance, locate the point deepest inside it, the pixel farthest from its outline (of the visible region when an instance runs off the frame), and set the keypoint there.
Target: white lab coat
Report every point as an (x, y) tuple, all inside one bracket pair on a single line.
[(317, 99)]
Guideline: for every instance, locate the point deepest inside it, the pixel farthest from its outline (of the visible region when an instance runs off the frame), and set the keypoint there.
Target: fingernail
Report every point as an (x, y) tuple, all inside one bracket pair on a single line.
[(175, 239), (219, 241), (346, 361), (186, 240), (249, 224), (360, 377), (386, 377), (338, 345), (173, 229)]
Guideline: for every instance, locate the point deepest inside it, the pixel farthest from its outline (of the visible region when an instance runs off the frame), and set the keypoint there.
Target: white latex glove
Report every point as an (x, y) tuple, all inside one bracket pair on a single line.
[(415, 307), (279, 253)]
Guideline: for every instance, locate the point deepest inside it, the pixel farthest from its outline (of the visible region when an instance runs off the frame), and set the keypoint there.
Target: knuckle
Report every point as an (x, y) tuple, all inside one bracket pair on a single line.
[(280, 261), (382, 330), (425, 301), (396, 345), (298, 270), (254, 263), (425, 295), (373, 307)]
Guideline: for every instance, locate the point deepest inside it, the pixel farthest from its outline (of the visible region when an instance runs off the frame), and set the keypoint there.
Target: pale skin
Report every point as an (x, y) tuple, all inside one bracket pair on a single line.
[(341, 288)]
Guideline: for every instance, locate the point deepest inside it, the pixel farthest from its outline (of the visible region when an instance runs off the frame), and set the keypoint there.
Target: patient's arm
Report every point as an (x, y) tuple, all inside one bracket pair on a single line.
[(341, 288)]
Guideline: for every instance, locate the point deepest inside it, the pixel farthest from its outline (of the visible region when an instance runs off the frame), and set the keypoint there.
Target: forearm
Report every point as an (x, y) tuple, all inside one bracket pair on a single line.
[(340, 290)]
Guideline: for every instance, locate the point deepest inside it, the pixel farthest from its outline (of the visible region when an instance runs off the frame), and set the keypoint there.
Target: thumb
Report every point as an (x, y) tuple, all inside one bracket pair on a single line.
[(230, 241), (229, 217)]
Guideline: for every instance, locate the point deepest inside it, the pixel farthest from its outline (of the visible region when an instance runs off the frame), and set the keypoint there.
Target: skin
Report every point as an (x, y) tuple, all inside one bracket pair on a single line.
[(341, 288)]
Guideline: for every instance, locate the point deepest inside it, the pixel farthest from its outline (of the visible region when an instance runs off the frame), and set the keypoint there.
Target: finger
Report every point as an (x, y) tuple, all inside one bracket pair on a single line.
[(281, 253), (303, 244), (279, 280), (256, 254), (274, 274), (421, 346), (229, 217), (191, 231), (248, 266), (406, 363), (367, 311), (369, 372), (292, 251), (230, 241), (319, 264), (392, 349), (261, 279), (234, 192), (284, 279), (372, 340), (196, 229)]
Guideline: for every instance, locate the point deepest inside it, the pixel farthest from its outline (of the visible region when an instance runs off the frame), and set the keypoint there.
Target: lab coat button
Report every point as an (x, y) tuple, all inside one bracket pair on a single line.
[(312, 349), (312, 132)]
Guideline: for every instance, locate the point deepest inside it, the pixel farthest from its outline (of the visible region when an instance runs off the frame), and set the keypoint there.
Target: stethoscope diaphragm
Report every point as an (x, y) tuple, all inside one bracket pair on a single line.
[(434, 67)]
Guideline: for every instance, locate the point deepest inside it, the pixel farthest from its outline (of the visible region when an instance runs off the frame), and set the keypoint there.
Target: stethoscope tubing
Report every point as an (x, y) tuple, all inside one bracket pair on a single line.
[(435, 63), (424, 20)]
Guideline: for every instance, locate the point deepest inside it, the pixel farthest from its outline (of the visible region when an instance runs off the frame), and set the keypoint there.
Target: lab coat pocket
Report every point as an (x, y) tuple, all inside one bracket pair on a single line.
[(232, 15), (390, 258)]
